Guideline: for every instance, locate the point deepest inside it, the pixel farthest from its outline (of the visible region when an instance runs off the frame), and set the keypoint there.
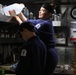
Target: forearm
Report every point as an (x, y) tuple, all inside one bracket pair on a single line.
[(15, 17), (22, 17), (18, 19)]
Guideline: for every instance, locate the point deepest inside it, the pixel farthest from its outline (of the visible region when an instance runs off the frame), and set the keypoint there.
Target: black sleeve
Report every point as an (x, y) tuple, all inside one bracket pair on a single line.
[(23, 64)]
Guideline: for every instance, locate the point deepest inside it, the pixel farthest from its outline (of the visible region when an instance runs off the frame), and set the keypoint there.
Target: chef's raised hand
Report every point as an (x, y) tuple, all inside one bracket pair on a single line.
[(22, 17), (12, 12)]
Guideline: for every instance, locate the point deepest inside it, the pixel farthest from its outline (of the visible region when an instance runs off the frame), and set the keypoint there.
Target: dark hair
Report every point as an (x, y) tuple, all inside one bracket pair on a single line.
[(48, 7), (28, 25)]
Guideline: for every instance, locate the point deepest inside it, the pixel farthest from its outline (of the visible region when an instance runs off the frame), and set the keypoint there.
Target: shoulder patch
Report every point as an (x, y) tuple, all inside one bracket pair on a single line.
[(23, 52), (38, 26)]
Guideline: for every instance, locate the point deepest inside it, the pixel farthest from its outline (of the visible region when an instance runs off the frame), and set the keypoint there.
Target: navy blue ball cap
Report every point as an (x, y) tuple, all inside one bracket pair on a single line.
[(27, 25), (48, 7)]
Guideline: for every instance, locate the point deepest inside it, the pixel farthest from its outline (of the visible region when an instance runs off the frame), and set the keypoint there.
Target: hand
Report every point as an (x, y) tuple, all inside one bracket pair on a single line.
[(13, 67), (22, 17), (18, 19), (12, 12)]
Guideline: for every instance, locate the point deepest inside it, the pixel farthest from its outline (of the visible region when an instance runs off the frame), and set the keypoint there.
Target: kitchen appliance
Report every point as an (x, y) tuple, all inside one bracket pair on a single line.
[(73, 31)]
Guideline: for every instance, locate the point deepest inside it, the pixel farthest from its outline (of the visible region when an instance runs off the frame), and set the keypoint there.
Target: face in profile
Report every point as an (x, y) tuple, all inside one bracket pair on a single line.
[(43, 13), (23, 33)]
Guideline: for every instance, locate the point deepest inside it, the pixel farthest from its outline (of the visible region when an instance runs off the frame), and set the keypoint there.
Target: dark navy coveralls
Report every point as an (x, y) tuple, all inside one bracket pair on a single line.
[(45, 31), (33, 58)]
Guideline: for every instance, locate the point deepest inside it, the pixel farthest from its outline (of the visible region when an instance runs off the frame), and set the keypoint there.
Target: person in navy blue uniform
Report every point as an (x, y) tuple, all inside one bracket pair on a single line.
[(33, 52), (44, 29)]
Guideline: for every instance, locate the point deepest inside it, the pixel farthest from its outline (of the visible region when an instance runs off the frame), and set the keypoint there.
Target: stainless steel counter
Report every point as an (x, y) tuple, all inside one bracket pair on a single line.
[(65, 72)]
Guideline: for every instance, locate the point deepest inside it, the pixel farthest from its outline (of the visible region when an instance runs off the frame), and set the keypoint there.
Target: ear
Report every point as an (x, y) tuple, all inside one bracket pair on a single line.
[(24, 29)]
